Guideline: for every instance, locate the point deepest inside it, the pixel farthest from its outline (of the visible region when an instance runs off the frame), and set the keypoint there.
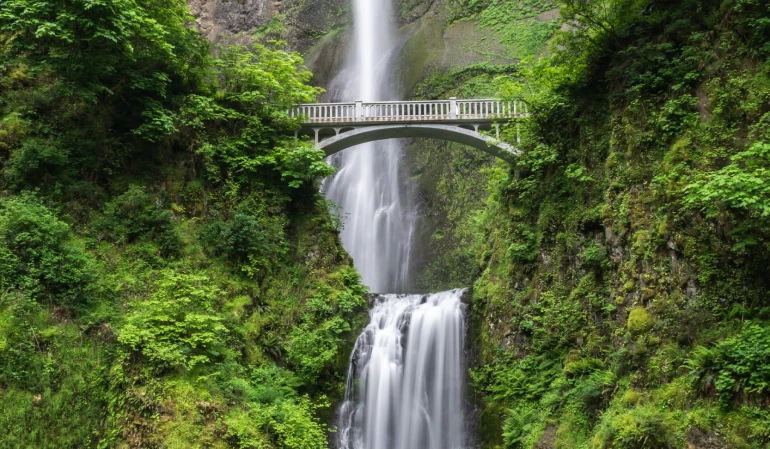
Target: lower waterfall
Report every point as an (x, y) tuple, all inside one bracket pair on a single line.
[(406, 376)]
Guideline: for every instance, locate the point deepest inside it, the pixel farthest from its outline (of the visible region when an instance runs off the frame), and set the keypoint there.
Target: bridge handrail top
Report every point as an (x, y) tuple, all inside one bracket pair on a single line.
[(352, 103)]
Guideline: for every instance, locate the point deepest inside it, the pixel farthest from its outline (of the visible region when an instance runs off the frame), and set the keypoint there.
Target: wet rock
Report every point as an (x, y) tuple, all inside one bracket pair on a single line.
[(698, 439)]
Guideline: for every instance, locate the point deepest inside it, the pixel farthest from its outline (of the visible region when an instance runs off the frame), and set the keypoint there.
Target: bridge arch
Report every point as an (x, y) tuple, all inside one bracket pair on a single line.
[(452, 133)]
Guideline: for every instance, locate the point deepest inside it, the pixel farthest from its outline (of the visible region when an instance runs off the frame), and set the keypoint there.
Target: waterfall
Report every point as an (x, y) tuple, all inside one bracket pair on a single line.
[(367, 186), (406, 374)]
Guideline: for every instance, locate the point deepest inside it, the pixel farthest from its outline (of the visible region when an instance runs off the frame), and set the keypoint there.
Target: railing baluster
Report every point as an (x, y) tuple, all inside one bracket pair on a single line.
[(417, 111)]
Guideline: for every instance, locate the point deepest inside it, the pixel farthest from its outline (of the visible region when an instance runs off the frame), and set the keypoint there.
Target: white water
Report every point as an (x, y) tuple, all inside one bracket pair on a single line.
[(405, 380), (379, 222), (406, 375)]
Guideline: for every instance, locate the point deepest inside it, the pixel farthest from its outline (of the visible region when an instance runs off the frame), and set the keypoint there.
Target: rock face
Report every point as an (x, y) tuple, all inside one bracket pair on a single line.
[(319, 30), (299, 22), (217, 19)]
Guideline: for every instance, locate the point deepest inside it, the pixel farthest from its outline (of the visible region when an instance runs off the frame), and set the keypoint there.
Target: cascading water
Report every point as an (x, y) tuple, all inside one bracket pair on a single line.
[(408, 364), (367, 187), (406, 375)]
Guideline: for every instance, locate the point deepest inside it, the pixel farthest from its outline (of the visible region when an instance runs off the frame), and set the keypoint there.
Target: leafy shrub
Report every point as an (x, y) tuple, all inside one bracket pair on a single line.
[(297, 427), (176, 327), (48, 370), (17, 340), (638, 428), (594, 255), (121, 45), (582, 367), (523, 426), (254, 242), (35, 158), (289, 424), (312, 351), (257, 86), (703, 368), (135, 215), (735, 367), (743, 185), (38, 255), (272, 383)]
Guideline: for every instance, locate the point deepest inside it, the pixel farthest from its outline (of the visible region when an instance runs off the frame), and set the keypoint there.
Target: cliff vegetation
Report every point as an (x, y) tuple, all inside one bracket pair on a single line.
[(169, 274), (620, 265)]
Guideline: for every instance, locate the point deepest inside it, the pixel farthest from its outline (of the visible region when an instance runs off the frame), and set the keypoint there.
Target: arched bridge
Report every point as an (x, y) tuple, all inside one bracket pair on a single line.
[(336, 126)]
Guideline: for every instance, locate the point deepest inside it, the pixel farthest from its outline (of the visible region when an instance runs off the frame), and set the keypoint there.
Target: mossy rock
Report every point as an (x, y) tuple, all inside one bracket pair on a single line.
[(639, 321)]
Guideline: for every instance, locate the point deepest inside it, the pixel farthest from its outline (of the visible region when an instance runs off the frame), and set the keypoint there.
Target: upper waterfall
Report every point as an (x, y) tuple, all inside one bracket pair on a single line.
[(369, 187)]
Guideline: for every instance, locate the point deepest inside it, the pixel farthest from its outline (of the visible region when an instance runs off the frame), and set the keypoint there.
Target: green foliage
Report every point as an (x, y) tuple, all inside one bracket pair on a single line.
[(743, 185), (253, 242), (291, 425), (242, 133), (98, 82), (314, 350), (124, 47), (176, 327), (642, 187), (161, 172), (136, 215), (296, 426), (523, 427), (48, 371), (638, 428), (735, 367), (513, 20), (317, 345), (38, 255)]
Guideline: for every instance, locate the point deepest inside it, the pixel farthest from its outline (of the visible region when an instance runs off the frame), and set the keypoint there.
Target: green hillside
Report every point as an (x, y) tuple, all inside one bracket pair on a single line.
[(170, 275), (620, 267)]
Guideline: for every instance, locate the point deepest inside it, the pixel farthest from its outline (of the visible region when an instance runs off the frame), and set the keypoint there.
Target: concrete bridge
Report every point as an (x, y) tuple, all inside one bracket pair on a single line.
[(336, 126)]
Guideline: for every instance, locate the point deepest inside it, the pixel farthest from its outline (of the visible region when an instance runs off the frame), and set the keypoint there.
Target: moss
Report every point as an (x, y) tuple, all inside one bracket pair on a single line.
[(422, 51), (632, 397), (639, 320), (641, 242)]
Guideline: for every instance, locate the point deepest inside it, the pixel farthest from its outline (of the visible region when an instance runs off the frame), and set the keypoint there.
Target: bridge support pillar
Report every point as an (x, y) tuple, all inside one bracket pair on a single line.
[(475, 127), (497, 131), (316, 130)]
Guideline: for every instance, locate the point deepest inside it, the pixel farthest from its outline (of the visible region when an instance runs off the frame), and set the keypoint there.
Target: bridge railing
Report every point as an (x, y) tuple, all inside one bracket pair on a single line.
[(408, 111)]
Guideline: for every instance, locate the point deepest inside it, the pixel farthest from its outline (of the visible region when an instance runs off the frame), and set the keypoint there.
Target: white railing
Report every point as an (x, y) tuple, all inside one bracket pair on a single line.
[(408, 111)]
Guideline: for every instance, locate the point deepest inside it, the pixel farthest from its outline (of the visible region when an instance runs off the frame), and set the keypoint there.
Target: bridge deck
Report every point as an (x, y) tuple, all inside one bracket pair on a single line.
[(450, 111)]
